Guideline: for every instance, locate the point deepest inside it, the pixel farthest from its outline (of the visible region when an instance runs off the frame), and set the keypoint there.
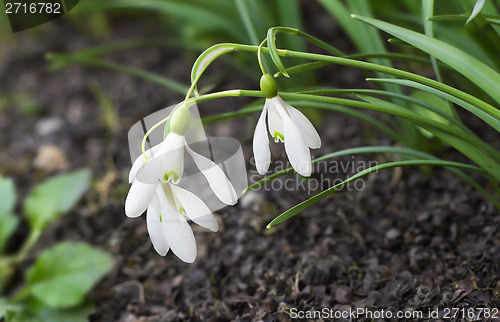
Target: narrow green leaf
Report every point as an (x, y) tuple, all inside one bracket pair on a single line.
[(492, 121), (65, 273), (475, 11), (493, 21), (432, 100), (63, 61), (428, 11), (273, 51), (325, 193), (475, 70), (195, 14), (54, 197), (313, 105), (464, 141), (290, 15), (207, 57), (415, 154), (446, 18)]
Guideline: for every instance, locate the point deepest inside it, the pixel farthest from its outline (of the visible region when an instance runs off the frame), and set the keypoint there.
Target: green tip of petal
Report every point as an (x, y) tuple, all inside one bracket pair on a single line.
[(278, 137), (171, 175)]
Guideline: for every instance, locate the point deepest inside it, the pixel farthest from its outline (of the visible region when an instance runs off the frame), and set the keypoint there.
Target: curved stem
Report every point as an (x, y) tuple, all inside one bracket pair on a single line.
[(259, 58)]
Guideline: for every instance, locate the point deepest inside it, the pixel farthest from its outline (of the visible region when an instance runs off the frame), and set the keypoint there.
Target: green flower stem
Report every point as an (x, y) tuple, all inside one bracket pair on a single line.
[(259, 57), (389, 94), (451, 134), (495, 112), (28, 244), (313, 40), (346, 102), (228, 93), (421, 120), (316, 65), (154, 127), (400, 73)]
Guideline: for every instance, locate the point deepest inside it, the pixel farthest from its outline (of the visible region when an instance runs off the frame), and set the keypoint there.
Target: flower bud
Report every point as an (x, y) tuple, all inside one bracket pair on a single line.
[(180, 120), (268, 86)]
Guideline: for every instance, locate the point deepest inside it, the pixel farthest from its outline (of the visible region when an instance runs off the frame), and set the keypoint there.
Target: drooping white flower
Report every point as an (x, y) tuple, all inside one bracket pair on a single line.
[(285, 124), (166, 216), (154, 178)]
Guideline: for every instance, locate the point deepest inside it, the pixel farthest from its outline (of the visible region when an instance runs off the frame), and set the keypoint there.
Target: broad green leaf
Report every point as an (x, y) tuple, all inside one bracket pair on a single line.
[(45, 314), (8, 224), (65, 273), (475, 70), (54, 197), (7, 196), (3, 307)]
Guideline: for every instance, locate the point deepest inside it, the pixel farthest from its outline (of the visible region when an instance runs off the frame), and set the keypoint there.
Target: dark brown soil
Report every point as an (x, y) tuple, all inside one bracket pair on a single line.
[(410, 240)]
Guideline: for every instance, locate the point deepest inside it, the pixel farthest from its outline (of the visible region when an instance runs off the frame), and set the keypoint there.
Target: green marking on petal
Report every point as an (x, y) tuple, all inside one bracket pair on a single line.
[(182, 211), (171, 175), (160, 217), (278, 136)]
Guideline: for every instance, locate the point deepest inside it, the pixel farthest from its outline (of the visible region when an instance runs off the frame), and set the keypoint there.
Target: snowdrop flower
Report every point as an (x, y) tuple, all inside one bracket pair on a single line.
[(285, 124), (154, 178)]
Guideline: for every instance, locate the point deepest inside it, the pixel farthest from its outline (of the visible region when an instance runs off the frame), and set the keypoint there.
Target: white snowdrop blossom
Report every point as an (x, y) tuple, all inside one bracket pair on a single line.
[(154, 178), (285, 124)]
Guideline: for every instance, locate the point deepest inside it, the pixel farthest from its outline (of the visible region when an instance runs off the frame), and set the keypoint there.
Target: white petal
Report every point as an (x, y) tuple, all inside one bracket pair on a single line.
[(216, 178), (177, 232), (155, 228), (173, 157), (141, 161), (168, 159), (261, 151), (195, 208), (296, 147), (305, 127), (274, 119), (138, 198)]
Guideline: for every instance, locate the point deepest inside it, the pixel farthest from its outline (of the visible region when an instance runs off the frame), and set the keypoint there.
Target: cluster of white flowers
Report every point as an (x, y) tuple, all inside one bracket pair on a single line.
[(154, 179), (155, 175)]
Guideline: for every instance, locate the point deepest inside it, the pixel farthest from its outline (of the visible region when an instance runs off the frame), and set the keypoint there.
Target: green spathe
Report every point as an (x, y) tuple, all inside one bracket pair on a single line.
[(268, 86), (181, 119)]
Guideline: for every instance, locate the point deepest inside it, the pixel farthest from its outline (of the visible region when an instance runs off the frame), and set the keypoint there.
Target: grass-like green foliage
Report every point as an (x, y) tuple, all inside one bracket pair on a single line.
[(58, 281), (456, 41)]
